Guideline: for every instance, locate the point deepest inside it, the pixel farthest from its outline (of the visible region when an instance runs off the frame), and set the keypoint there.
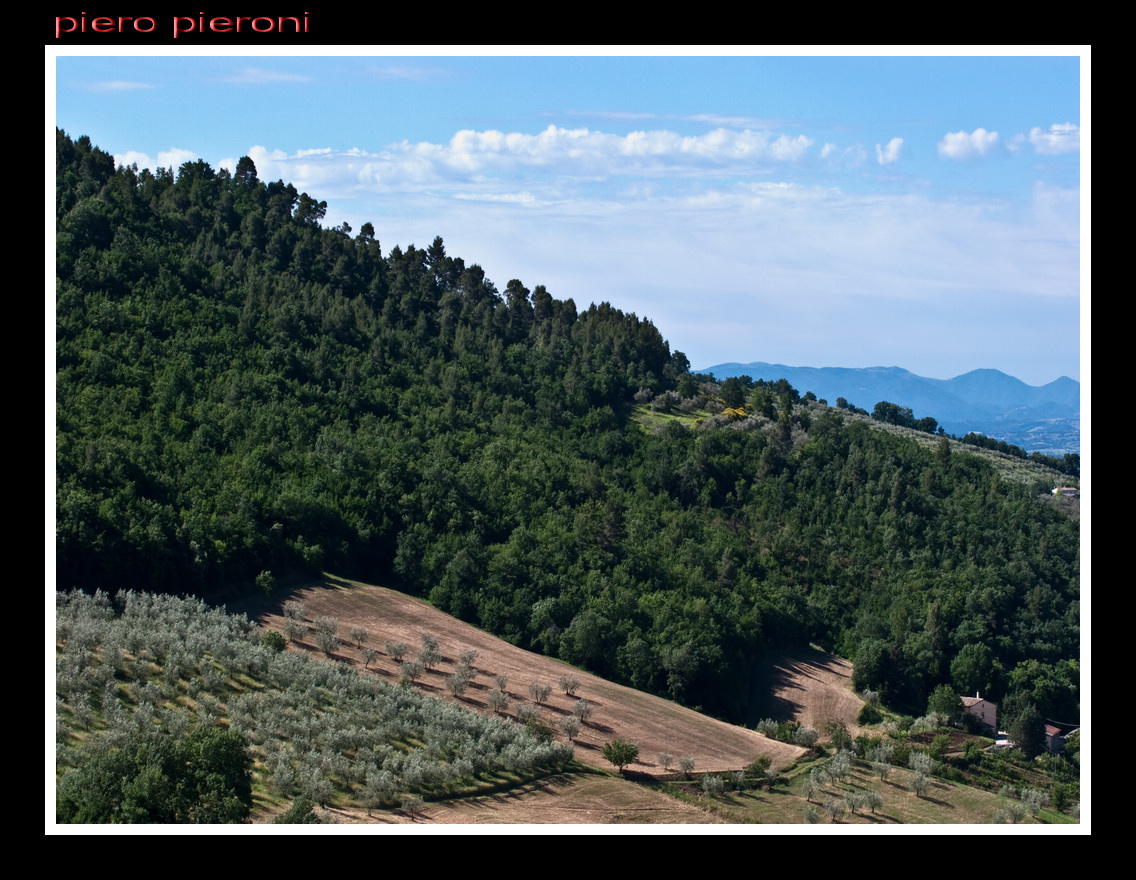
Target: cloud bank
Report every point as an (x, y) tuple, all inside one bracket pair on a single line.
[(650, 219)]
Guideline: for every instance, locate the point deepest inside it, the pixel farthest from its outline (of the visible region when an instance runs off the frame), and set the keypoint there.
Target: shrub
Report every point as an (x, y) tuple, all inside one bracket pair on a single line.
[(713, 785), (273, 640), (758, 766), (838, 735), (266, 582), (939, 745), (302, 812)]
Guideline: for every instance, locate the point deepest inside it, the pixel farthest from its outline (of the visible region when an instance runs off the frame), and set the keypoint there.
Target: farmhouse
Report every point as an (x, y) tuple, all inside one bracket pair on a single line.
[(983, 710)]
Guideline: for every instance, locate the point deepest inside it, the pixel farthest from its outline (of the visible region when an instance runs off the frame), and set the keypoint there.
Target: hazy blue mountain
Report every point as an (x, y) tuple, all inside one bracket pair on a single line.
[(1042, 418)]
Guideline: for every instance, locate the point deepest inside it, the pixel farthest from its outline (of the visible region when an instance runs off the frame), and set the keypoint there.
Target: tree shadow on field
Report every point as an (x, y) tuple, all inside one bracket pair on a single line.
[(775, 682)]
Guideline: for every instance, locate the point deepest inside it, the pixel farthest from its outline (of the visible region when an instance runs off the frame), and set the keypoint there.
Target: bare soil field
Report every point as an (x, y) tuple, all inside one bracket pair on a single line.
[(811, 687), (656, 724)]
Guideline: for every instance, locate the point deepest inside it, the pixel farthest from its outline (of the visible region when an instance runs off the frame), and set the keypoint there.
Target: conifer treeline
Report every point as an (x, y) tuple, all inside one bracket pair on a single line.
[(241, 389)]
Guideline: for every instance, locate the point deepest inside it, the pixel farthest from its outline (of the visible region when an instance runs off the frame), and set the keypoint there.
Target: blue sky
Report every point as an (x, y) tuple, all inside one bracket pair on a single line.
[(813, 211)]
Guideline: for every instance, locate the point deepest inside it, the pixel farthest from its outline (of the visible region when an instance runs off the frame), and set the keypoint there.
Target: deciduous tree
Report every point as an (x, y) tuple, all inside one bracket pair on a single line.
[(620, 753), (945, 700)]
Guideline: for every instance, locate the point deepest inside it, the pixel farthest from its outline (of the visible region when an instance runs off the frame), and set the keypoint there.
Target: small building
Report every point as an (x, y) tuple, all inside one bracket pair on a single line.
[(983, 710), (1055, 736), (1067, 491)]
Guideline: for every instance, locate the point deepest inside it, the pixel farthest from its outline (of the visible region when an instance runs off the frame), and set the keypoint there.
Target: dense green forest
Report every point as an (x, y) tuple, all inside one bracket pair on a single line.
[(242, 390)]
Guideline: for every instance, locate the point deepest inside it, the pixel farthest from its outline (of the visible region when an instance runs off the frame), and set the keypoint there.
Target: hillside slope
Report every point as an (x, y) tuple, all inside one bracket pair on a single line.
[(658, 725), (244, 394)]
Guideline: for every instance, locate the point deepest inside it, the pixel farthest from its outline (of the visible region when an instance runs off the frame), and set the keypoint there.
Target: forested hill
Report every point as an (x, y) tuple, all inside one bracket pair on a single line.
[(241, 390)]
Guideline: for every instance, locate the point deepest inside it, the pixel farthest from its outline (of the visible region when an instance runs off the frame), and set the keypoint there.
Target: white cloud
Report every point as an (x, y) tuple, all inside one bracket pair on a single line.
[(118, 85), (717, 119), (960, 145), (585, 151), (410, 73), (261, 76), (175, 158), (172, 158), (852, 156), (890, 153), (1059, 139), (550, 165), (522, 198), (132, 157), (732, 121)]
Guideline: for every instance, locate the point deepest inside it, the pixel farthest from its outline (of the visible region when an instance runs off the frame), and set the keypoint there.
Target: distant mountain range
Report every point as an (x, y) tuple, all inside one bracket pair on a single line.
[(1038, 419)]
